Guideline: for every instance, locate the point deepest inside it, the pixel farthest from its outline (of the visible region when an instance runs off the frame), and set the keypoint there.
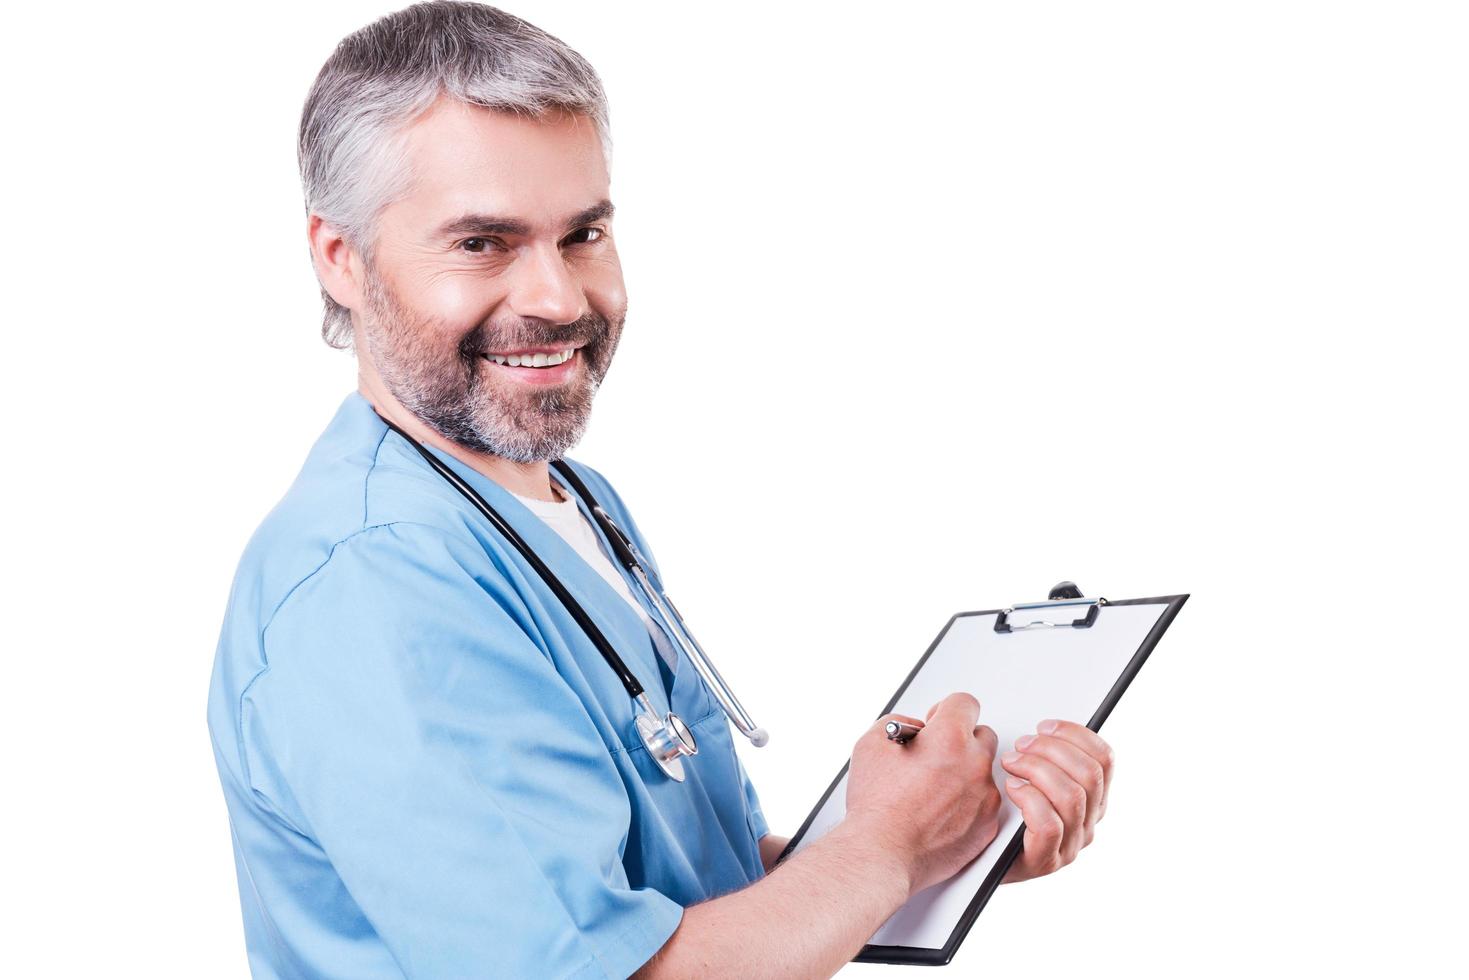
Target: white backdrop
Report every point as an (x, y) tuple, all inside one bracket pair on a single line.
[(932, 305)]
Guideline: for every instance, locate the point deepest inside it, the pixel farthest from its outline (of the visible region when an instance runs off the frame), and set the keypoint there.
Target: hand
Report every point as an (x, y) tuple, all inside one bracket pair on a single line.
[(1059, 779), (932, 803)]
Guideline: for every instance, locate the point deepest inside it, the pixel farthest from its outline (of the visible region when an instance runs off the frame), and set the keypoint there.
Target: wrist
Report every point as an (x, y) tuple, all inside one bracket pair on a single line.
[(870, 845)]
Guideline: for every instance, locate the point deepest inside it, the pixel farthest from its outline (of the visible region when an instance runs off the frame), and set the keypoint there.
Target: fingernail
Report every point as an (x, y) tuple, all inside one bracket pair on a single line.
[(1048, 727), (1023, 742), (1010, 757)]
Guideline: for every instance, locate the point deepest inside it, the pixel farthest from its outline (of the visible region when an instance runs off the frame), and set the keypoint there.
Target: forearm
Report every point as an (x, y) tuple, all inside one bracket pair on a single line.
[(807, 918)]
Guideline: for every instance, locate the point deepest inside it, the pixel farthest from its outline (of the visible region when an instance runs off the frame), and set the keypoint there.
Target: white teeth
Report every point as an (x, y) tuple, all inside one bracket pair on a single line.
[(533, 360)]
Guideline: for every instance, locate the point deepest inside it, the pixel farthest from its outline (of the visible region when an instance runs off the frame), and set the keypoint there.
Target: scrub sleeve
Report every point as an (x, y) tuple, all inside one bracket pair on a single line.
[(424, 740)]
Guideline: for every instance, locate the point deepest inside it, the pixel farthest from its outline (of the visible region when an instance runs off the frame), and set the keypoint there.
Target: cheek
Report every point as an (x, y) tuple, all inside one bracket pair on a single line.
[(455, 304), (602, 282)]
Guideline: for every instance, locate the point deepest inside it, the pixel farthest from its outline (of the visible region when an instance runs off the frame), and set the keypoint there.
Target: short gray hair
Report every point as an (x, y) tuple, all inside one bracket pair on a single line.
[(383, 76)]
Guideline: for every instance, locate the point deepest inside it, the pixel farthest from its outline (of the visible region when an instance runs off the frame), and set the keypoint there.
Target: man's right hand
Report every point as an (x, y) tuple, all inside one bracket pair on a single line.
[(932, 802), (916, 814)]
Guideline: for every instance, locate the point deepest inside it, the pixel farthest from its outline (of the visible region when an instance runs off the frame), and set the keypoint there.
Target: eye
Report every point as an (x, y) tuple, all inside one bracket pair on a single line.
[(584, 236), (477, 245)]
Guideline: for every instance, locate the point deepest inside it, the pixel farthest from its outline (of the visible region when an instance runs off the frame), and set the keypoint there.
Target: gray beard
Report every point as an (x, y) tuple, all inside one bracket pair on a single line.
[(453, 397)]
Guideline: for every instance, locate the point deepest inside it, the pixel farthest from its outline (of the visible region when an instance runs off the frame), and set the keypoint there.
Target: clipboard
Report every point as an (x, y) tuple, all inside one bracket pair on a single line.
[(1067, 657)]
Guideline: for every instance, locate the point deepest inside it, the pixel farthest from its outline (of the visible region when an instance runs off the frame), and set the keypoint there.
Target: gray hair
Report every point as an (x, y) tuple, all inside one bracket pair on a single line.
[(383, 76)]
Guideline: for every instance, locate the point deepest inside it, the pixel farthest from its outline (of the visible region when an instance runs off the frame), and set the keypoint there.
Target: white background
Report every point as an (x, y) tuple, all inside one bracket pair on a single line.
[(933, 305)]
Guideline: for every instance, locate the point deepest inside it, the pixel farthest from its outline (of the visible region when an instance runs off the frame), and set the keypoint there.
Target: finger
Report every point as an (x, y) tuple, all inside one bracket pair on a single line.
[(1088, 741), (1045, 832), (989, 742), (1077, 764), (1067, 796), (959, 709)]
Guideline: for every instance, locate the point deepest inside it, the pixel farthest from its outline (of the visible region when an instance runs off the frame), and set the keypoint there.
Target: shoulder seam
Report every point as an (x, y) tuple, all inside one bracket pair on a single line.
[(376, 453), (327, 561)]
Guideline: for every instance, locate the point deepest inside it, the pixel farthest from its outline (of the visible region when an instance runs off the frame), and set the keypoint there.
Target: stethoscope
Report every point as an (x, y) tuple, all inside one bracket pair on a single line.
[(667, 739)]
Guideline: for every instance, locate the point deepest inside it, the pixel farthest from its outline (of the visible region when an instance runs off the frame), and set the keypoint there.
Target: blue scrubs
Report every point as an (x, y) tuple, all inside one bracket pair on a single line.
[(430, 770)]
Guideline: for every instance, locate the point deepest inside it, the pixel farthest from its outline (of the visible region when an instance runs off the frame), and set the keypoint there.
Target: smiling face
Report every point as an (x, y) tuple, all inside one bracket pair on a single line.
[(494, 301)]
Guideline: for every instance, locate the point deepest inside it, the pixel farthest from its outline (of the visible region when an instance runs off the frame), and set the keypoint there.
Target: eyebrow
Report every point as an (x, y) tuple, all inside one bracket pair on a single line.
[(487, 224)]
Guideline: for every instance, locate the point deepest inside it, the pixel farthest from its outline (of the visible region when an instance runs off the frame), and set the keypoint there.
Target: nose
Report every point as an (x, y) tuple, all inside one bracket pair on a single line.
[(545, 288)]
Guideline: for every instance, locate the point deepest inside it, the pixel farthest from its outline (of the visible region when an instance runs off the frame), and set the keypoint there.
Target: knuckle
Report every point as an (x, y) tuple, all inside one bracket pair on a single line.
[(1098, 777), (964, 697), (1073, 798), (1050, 829)]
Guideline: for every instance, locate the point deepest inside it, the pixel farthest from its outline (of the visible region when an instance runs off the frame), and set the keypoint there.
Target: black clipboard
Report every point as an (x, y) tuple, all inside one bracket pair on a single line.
[(1065, 609)]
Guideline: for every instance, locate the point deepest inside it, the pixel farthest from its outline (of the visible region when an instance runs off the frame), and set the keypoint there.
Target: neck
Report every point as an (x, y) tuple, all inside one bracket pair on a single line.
[(526, 479)]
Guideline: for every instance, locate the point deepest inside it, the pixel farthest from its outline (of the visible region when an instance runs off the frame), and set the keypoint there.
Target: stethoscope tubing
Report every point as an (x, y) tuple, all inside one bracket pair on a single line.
[(594, 633), (713, 679), (667, 612), (627, 554)]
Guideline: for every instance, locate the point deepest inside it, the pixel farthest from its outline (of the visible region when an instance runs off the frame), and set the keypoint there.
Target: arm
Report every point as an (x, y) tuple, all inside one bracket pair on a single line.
[(389, 729), (806, 919)]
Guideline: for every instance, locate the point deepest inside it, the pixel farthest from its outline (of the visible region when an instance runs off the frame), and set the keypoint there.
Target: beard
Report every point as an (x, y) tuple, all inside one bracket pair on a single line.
[(455, 392)]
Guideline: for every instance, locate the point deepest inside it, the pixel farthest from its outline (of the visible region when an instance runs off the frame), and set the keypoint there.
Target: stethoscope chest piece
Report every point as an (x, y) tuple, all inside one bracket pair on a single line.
[(667, 741)]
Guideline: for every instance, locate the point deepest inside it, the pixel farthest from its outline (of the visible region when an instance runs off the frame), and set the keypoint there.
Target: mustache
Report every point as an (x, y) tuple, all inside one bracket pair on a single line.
[(588, 330)]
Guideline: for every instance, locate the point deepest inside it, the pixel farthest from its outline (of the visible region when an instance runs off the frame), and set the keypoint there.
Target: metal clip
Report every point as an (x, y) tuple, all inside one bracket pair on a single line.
[(1064, 594)]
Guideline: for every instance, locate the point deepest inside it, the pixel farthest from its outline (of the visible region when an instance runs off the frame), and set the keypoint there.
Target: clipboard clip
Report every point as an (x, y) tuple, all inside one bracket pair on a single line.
[(1063, 595)]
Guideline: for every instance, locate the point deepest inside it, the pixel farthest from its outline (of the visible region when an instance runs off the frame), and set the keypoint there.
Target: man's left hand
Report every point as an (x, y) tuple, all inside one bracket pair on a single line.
[(1059, 779)]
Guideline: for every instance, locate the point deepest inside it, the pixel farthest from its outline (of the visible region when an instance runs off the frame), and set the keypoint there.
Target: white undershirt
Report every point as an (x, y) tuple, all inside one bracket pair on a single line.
[(565, 518)]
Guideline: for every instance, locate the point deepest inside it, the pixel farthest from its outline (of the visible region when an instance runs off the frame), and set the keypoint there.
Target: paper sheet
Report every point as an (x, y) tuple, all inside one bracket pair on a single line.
[(1020, 678)]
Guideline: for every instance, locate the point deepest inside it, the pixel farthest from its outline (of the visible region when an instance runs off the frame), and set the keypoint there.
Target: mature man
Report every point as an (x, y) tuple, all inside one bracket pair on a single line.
[(430, 768)]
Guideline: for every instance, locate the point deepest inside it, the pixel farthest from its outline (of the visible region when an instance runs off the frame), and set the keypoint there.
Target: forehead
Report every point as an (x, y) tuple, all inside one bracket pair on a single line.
[(467, 158)]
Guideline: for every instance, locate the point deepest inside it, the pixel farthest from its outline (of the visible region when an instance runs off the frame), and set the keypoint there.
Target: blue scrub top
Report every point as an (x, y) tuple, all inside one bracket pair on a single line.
[(430, 770)]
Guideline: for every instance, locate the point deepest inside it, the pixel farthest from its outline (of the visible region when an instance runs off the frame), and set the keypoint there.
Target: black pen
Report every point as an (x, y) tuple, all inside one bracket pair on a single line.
[(901, 731)]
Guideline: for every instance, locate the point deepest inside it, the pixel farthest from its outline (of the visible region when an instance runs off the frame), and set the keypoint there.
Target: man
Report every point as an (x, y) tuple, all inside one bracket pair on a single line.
[(430, 769)]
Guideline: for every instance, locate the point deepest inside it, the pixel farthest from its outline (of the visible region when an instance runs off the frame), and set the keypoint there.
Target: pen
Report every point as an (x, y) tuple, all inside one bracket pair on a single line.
[(901, 731)]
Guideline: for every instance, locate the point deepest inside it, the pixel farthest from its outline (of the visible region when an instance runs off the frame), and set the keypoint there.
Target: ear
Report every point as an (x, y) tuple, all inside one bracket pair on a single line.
[(338, 266)]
